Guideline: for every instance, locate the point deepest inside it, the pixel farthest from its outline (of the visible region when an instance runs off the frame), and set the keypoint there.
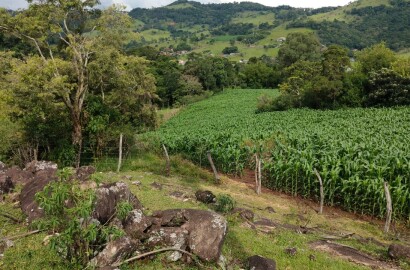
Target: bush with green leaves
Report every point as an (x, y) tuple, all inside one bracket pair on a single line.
[(224, 203), (68, 210)]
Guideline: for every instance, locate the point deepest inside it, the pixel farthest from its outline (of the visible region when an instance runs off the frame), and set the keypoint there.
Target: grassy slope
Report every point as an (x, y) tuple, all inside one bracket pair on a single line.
[(339, 14), (241, 241)]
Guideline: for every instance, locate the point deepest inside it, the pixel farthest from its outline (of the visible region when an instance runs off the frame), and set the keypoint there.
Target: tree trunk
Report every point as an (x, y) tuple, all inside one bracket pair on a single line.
[(77, 137)]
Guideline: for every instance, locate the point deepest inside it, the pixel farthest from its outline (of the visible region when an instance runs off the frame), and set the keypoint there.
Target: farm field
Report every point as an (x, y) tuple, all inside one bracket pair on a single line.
[(355, 150)]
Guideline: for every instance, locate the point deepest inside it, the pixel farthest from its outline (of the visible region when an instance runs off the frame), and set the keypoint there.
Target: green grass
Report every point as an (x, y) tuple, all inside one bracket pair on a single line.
[(340, 13), (155, 34), (179, 6)]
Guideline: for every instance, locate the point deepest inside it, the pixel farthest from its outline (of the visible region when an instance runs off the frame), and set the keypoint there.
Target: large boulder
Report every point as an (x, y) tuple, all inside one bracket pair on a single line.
[(43, 174), (115, 252), (107, 198), (257, 262), (397, 251), (206, 230)]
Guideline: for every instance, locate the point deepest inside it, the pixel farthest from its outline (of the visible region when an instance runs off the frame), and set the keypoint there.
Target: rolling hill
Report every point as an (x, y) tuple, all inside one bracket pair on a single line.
[(259, 30)]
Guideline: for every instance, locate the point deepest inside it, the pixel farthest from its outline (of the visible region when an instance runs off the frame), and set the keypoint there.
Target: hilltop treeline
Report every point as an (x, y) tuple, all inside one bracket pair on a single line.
[(189, 13)]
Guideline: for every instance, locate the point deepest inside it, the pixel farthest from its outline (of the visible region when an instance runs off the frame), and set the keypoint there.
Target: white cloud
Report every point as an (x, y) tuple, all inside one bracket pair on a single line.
[(14, 4)]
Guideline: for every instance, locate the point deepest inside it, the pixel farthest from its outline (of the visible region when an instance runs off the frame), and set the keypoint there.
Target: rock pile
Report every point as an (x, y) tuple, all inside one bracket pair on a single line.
[(199, 232)]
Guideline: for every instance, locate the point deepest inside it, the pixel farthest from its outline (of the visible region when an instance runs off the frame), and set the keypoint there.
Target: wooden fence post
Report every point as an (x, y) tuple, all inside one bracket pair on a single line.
[(259, 191), (120, 154), (389, 207), (217, 179), (256, 173), (322, 196), (168, 166)]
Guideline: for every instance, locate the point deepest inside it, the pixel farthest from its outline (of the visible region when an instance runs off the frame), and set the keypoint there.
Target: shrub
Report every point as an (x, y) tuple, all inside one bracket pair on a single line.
[(229, 50), (224, 203), (68, 212)]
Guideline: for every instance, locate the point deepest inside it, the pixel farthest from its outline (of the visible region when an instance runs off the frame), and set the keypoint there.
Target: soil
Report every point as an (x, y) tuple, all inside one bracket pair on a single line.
[(248, 178), (351, 254)]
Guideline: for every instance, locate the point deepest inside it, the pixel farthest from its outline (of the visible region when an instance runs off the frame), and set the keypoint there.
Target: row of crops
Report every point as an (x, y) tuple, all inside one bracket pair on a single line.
[(355, 150)]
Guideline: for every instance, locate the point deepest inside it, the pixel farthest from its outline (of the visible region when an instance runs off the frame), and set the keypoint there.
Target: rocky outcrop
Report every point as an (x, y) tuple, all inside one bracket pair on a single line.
[(257, 262), (107, 198), (115, 252), (35, 176), (42, 174), (397, 251), (205, 196), (206, 230), (136, 224)]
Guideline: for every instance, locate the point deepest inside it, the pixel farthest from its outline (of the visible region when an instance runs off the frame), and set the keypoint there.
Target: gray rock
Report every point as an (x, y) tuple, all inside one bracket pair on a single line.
[(116, 251), (257, 262), (291, 251), (156, 186), (4, 245), (42, 165), (397, 251), (107, 198), (136, 224), (205, 196), (270, 209), (170, 237), (206, 230), (19, 176), (137, 183), (40, 179), (244, 213), (84, 173)]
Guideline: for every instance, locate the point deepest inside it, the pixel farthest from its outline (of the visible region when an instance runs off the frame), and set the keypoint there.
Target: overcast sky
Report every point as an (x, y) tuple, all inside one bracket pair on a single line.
[(14, 4)]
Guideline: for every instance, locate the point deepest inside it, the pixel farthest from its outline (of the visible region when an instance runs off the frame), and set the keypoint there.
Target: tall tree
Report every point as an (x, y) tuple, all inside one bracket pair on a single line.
[(68, 36), (299, 46)]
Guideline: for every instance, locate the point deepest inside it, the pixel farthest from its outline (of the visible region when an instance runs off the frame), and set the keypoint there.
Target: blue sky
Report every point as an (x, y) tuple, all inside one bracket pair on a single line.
[(14, 4)]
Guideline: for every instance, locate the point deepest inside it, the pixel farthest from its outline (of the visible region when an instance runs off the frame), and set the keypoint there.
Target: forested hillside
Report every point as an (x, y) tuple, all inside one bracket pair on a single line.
[(213, 27)]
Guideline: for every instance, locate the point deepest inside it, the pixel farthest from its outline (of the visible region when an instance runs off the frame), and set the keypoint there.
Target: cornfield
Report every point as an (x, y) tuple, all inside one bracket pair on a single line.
[(355, 150)]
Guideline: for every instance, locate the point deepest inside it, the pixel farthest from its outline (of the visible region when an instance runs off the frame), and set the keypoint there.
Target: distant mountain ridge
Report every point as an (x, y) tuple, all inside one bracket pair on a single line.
[(211, 27)]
